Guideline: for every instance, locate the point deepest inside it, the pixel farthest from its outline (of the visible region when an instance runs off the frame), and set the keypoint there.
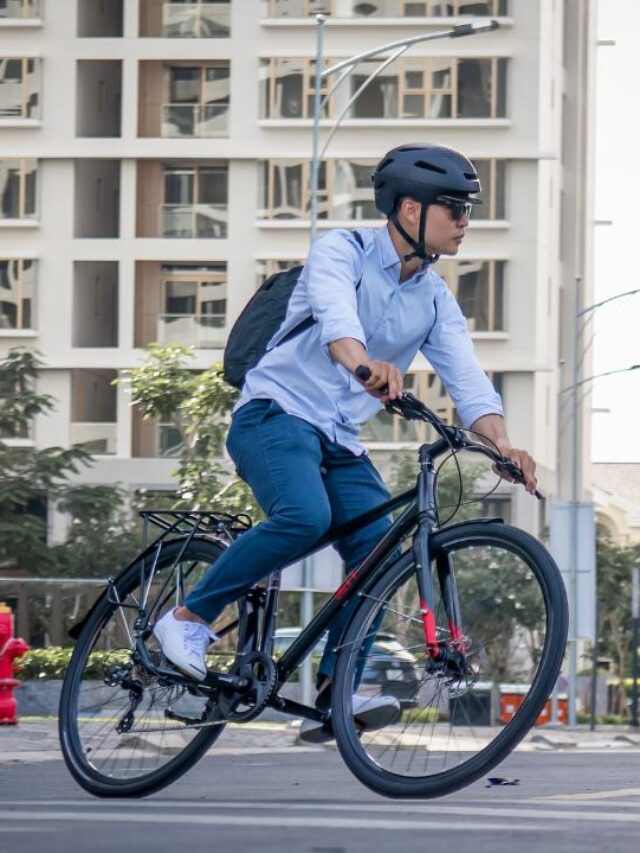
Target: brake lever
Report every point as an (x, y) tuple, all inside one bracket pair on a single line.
[(512, 469)]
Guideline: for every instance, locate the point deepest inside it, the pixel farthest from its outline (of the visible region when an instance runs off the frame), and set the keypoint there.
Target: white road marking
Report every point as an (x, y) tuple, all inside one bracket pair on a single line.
[(306, 822), (426, 809), (593, 795)]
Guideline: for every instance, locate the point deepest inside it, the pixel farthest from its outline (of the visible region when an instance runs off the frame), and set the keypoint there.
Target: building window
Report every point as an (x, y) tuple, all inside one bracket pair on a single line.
[(426, 386), (194, 305), (479, 288), (195, 19), (20, 88), (496, 506), (195, 202), (384, 8), (17, 285), (409, 88), (198, 100), (19, 9), (287, 87), (268, 267), (493, 179), (18, 189), (344, 190), (94, 410)]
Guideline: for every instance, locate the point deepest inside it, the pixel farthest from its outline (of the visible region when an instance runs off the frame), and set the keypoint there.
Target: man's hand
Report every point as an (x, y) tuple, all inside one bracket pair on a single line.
[(523, 460), (385, 382)]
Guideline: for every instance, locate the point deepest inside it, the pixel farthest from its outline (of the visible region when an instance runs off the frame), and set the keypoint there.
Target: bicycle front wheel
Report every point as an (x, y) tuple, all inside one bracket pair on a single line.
[(452, 727), (123, 731)]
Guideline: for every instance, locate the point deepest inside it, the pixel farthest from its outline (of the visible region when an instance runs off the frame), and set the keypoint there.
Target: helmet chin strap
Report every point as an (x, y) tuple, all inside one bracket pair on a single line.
[(420, 249)]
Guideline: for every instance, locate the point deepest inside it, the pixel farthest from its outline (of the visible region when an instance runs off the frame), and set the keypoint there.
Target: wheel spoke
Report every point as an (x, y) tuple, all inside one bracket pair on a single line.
[(450, 711)]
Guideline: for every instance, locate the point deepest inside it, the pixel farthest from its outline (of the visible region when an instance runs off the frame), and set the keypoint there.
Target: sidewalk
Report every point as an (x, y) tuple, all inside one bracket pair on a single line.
[(35, 739)]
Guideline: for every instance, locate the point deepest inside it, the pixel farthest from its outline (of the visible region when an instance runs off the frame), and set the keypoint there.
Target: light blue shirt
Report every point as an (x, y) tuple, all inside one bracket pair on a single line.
[(392, 320)]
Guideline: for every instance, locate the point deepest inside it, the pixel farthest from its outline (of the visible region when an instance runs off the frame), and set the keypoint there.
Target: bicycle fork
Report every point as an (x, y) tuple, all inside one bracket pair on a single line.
[(427, 523)]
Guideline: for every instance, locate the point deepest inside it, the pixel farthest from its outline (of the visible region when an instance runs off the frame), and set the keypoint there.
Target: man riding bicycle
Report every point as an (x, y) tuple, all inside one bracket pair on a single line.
[(294, 431)]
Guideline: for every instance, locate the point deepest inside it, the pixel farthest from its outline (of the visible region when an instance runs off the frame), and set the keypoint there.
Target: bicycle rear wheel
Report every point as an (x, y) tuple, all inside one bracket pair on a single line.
[(514, 619), (123, 731)]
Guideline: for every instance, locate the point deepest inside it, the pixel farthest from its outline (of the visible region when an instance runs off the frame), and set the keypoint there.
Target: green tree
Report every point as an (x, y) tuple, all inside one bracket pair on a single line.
[(198, 405), (614, 564), (30, 478)]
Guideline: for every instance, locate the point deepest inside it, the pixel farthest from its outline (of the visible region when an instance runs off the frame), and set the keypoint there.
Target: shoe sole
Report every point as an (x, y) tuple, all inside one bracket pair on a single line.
[(367, 721)]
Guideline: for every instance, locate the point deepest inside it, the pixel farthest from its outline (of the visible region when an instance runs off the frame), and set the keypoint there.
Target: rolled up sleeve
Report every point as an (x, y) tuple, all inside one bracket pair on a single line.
[(332, 271), (449, 349)]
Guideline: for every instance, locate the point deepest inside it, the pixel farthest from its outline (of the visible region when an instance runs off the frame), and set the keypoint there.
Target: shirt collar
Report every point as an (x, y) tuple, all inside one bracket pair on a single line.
[(387, 251)]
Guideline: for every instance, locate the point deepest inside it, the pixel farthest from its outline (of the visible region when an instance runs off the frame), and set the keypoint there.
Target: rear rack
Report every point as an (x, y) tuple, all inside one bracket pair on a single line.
[(192, 522)]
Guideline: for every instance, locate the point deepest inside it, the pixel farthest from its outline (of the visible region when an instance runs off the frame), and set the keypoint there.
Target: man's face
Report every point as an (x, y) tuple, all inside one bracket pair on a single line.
[(445, 227), (444, 232)]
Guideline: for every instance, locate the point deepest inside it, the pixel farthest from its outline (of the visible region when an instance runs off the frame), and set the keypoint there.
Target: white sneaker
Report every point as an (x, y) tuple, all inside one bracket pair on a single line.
[(184, 644)]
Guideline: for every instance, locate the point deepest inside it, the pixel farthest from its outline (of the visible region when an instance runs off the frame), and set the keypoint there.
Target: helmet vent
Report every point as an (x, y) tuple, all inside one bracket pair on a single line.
[(422, 164), (384, 164), (471, 176)]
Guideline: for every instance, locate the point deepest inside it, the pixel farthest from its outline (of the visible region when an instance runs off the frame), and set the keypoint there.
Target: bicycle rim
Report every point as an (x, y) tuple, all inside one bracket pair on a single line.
[(453, 727), (113, 742)]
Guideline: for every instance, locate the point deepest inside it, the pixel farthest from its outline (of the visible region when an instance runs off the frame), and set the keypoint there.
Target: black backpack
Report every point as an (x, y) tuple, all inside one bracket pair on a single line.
[(260, 319)]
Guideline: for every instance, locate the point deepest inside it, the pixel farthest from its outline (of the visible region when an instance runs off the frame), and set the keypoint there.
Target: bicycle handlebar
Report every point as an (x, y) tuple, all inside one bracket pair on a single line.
[(410, 408)]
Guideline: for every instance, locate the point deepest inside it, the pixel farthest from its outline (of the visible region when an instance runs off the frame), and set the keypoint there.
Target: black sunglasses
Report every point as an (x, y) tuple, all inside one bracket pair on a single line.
[(459, 209)]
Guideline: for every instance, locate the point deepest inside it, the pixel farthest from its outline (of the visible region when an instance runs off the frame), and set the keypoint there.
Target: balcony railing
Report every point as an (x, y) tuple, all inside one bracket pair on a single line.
[(96, 437), (194, 221), (203, 331), (185, 120), (20, 9), (196, 20)]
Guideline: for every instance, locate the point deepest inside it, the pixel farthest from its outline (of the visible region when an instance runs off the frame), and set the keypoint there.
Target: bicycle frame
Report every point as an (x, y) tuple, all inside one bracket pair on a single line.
[(420, 513)]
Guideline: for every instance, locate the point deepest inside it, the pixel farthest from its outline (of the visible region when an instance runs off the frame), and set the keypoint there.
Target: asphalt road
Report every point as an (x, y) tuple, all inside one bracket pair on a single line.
[(306, 800)]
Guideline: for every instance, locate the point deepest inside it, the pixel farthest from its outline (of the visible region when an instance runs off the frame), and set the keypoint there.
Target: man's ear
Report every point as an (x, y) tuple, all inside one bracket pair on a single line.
[(409, 208)]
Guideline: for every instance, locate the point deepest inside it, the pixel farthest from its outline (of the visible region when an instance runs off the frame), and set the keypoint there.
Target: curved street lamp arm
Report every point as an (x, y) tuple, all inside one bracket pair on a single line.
[(455, 32), (355, 96)]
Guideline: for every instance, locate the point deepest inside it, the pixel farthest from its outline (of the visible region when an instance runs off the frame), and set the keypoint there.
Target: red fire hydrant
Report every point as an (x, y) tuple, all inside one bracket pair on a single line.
[(10, 647)]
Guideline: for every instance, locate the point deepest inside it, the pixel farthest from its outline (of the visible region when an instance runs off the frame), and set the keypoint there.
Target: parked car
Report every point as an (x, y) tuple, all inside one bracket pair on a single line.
[(390, 669)]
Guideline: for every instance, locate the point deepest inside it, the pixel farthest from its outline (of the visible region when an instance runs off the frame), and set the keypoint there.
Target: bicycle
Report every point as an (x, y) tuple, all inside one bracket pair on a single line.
[(473, 603)]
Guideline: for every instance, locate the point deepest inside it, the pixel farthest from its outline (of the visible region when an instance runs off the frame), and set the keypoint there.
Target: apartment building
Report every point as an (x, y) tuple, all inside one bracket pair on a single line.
[(154, 167)]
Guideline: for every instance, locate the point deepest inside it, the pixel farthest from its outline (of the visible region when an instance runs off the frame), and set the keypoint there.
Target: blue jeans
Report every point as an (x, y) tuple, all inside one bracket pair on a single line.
[(305, 484)]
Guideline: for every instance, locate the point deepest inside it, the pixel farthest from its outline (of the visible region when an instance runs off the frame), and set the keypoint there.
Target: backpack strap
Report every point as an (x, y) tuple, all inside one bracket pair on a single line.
[(310, 320)]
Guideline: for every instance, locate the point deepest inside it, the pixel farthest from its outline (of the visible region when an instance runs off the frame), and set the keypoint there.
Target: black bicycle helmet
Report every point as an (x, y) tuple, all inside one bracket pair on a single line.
[(423, 172)]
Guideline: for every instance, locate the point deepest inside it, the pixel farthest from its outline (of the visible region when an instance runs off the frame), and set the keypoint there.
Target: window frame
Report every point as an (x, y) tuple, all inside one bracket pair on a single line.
[(200, 104), (24, 170), (201, 277), (196, 171), (24, 112), (19, 294), (326, 194), (397, 69), (451, 275)]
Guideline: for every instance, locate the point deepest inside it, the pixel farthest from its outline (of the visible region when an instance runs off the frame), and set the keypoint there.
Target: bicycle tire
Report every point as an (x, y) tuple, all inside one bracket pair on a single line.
[(77, 761), (543, 567)]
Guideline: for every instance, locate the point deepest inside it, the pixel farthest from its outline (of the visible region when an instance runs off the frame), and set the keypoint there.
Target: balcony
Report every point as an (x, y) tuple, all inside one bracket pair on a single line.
[(203, 331), (195, 120), (189, 19), (196, 20), (96, 438), (20, 10), (194, 221)]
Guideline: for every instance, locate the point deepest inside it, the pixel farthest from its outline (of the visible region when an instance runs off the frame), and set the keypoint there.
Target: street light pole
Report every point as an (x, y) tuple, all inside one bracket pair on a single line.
[(346, 67)]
